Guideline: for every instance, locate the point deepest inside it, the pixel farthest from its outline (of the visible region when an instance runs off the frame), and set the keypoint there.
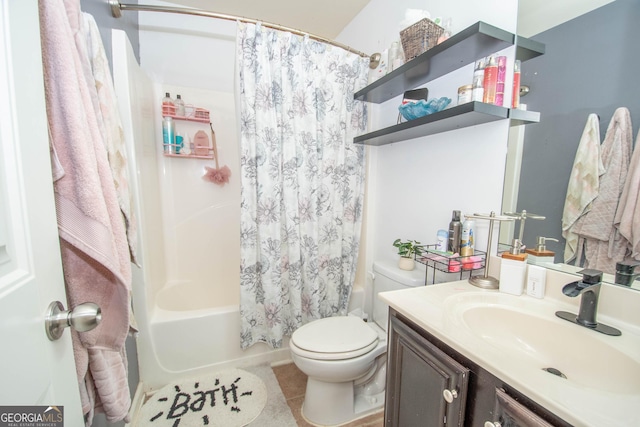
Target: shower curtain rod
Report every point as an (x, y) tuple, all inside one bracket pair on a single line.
[(117, 8)]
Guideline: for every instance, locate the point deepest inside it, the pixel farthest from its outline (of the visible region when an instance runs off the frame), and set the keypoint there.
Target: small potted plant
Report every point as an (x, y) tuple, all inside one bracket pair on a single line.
[(407, 250)]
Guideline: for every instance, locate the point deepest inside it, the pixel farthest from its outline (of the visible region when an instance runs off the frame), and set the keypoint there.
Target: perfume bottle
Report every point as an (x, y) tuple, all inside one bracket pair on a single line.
[(516, 85), (490, 80)]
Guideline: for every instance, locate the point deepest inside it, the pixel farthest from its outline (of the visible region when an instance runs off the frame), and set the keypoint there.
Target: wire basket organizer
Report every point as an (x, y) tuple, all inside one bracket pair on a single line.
[(196, 147), (420, 37), (462, 265)]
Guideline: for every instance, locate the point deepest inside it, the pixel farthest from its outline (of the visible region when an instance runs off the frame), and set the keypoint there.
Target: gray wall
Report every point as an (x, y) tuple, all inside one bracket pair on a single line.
[(129, 23), (591, 65)]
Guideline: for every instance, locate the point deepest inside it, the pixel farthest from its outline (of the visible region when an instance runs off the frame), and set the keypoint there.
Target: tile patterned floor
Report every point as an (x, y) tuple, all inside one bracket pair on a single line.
[(293, 384)]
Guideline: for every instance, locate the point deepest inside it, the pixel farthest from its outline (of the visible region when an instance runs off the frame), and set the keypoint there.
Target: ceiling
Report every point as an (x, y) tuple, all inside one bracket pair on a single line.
[(327, 18)]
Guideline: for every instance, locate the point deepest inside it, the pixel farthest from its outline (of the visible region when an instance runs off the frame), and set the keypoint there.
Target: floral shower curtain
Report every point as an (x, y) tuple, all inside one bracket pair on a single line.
[(302, 180)]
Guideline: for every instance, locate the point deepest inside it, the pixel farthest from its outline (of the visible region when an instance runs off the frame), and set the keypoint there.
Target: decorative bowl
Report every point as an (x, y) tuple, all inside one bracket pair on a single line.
[(414, 110)]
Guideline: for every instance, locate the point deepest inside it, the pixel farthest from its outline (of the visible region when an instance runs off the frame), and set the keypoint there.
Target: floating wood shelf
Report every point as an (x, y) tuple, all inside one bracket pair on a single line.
[(465, 47), (460, 116)]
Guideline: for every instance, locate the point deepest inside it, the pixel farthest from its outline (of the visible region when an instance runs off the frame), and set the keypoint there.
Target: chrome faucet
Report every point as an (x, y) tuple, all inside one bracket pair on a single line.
[(589, 288), (625, 274)]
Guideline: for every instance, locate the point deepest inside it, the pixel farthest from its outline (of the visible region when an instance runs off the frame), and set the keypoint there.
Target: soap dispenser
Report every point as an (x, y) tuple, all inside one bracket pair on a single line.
[(540, 255), (513, 269)]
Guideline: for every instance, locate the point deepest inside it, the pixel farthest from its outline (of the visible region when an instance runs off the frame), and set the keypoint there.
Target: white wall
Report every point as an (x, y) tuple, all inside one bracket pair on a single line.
[(414, 185)]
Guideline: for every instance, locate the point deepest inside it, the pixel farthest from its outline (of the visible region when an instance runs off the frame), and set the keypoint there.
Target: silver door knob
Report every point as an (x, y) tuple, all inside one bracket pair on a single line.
[(449, 395), (83, 318)]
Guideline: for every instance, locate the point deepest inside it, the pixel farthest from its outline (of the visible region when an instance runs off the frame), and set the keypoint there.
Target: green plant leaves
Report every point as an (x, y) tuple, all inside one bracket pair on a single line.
[(408, 248)]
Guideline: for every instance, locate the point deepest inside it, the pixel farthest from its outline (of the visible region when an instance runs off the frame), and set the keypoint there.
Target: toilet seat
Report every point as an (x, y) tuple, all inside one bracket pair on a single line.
[(334, 338)]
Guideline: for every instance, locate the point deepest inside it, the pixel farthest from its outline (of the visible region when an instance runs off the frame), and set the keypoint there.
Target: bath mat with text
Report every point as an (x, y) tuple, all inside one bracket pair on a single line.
[(231, 398)]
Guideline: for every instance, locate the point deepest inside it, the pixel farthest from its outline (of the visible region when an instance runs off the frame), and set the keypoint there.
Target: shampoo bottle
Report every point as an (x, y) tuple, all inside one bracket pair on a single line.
[(179, 106), (168, 106)]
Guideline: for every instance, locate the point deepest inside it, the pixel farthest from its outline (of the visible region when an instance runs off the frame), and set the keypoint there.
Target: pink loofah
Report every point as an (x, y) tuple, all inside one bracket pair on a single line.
[(217, 176)]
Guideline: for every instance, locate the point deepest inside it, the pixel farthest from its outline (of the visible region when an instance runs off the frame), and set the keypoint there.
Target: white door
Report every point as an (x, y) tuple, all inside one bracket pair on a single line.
[(33, 370)]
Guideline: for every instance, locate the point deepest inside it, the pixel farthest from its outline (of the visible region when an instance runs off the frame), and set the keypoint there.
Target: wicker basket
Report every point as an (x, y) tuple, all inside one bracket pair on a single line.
[(419, 37)]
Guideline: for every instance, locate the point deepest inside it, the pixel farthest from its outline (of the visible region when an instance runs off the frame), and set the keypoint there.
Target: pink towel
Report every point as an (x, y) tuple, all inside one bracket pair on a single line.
[(628, 214), (105, 104), (94, 247), (604, 246)]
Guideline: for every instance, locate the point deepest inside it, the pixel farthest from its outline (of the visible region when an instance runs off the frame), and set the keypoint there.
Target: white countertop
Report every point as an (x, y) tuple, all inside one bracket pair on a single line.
[(438, 309)]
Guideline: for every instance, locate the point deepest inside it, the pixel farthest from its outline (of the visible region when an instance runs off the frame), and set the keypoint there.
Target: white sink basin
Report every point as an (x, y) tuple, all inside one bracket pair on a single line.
[(516, 337), (584, 356)]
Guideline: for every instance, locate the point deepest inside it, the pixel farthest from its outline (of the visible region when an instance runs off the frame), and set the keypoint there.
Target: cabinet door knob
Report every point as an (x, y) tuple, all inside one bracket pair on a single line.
[(492, 424), (449, 395)]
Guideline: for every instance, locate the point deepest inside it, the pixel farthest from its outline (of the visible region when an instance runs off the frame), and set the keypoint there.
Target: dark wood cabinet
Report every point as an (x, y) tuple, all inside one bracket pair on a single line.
[(511, 413), (422, 370), (425, 386)]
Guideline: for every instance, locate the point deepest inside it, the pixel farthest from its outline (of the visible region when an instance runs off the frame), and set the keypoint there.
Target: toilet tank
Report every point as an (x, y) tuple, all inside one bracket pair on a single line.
[(388, 277)]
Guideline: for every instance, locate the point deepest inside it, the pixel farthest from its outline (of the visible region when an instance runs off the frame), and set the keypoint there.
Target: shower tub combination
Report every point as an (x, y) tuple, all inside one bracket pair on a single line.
[(190, 326), (192, 329)]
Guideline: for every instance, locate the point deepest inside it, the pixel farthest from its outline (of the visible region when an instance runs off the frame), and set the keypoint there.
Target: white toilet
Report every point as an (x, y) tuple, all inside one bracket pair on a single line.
[(345, 357)]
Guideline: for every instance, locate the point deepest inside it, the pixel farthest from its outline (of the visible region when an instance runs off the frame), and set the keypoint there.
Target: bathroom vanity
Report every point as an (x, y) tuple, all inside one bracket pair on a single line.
[(429, 383), (463, 356)]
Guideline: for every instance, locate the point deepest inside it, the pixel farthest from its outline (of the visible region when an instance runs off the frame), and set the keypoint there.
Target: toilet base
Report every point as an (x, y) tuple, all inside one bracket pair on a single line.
[(338, 404)]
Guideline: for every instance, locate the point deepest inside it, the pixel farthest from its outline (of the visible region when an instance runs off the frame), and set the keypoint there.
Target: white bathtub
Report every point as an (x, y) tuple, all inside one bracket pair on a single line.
[(190, 334), (193, 330)]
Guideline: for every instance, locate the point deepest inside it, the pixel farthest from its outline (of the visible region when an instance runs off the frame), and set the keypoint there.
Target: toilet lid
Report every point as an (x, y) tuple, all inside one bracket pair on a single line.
[(341, 334)]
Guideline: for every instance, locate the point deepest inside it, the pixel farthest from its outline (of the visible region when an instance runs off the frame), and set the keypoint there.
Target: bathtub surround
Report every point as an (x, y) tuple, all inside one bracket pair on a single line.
[(94, 248), (229, 398), (302, 180)]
